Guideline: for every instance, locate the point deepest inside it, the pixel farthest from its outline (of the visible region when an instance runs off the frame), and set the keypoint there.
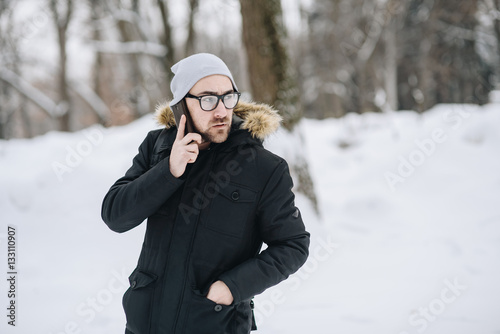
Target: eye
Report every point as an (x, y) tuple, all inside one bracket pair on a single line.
[(209, 99)]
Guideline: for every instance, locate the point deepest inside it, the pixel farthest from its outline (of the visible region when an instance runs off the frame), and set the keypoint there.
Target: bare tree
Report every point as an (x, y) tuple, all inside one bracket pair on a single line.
[(494, 7), (324, 71), (190, 42), (62, 12), (7, 107), (129, 33), (272, 78), (497, 25), (352, 57), (167, 38), (391, 64), (98, 79), (441, 62), (396, 55), (137, 63), (375, 56)]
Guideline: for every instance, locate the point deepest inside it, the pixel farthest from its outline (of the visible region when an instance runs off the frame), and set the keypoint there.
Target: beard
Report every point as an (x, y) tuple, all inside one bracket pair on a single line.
[(215, 135)]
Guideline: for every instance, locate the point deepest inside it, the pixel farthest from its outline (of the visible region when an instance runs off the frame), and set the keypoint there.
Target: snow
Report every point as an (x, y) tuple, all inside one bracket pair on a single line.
[(414, 253)]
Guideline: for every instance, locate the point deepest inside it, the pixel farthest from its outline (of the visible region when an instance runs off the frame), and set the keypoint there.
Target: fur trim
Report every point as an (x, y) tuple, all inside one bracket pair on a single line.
[(261, 120), (164, 115)]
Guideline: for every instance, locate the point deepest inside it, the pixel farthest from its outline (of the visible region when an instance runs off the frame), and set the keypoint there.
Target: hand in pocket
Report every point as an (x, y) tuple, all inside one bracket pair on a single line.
[(219, 293)]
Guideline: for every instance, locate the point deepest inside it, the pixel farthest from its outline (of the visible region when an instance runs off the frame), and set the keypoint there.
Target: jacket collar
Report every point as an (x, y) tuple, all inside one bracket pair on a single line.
[(260, 120)]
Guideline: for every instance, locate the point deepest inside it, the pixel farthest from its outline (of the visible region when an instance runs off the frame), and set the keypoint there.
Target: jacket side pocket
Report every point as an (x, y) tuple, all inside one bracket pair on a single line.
[(137, 300)]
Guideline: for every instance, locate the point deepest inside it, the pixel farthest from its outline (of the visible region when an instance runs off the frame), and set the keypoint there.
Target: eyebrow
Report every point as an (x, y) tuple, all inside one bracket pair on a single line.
[(207, 92)]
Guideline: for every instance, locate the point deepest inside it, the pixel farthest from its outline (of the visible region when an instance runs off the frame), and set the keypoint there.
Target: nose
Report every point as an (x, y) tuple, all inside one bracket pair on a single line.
[(220, 111)]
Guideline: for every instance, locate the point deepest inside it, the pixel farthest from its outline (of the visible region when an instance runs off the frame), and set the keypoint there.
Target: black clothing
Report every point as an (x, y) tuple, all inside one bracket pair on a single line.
[(205, 226)]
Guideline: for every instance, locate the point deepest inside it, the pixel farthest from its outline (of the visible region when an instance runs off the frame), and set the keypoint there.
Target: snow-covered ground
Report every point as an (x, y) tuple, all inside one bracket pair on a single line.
[(408, 240)]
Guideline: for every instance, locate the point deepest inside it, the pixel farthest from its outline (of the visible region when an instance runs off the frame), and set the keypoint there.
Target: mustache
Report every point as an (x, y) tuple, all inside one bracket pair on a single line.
[(220, 120)]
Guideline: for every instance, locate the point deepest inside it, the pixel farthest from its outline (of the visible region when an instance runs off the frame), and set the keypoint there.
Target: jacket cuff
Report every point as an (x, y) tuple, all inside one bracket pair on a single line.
[(233, 288), (165, 170)]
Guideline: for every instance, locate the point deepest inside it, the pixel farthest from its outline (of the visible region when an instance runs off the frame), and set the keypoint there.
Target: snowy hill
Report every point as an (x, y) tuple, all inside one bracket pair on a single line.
[(408, 241)]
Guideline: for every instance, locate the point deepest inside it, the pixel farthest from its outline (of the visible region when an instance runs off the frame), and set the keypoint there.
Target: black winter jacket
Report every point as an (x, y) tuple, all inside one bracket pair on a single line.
[(208, 225)]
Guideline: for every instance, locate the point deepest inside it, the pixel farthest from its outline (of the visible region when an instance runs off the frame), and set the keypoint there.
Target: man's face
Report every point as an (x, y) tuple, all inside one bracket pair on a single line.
[(213, 125)]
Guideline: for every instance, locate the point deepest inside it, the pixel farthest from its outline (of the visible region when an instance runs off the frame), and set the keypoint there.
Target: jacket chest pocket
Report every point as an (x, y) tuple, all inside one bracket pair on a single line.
[(230, 210)]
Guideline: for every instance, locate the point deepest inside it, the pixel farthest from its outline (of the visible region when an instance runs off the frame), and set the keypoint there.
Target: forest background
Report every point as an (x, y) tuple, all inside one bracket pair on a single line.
[(65, 65)]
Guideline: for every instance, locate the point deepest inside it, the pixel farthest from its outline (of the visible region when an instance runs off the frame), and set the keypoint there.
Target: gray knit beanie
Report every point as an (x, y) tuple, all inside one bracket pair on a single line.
[(190, 70)]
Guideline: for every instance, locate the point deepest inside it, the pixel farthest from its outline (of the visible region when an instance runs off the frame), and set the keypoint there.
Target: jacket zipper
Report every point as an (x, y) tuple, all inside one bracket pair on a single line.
[(188, 258)]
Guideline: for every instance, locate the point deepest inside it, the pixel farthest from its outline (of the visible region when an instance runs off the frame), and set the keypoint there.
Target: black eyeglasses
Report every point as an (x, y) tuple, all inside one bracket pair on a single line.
[(210, 102)]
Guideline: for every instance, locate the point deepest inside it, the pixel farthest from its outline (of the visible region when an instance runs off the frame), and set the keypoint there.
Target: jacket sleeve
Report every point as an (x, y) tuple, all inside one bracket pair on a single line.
[(141, 192), (282, 229)]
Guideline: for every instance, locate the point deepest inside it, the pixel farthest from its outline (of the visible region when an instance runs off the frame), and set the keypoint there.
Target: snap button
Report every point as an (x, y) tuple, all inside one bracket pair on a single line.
[(218, 308), (134, 283), (235, 195)]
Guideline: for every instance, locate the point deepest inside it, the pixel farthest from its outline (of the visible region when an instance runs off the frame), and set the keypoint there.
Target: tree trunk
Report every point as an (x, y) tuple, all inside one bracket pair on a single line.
[(97, 74), (167, 40), (61, 21), (391, 66), (272, 78), (128, 35), (5, 112), (319, 52), (496, 26), (64, 97), (443, 45), (427, 82), (190, 42), (9, 46)]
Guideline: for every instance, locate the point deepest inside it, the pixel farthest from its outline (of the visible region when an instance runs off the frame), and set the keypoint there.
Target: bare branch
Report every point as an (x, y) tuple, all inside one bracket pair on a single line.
[(378, 24), (129, 16), (69, 12), (89, 96), (167, 31), (43, 101), (462, 33), (493, 10), (134, 47), (61, 19)]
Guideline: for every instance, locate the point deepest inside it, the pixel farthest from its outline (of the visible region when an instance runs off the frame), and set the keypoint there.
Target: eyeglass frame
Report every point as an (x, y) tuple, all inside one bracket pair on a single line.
[(219, 98)]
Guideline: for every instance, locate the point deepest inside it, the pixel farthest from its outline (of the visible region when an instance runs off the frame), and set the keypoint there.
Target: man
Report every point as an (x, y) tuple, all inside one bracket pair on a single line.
[(211, 197)]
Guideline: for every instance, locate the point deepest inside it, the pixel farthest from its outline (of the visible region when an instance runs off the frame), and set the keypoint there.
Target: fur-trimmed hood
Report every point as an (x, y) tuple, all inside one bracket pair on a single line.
[(261, 120)]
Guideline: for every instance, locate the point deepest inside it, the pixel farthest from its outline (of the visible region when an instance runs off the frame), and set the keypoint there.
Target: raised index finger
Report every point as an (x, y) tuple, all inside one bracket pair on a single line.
[(181, 127)]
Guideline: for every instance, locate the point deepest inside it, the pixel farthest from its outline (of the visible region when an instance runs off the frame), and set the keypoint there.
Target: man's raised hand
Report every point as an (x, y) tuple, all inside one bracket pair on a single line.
[(185, 149)]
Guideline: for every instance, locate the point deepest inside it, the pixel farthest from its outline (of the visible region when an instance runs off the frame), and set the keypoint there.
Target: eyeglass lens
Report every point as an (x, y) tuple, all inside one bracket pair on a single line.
[(210, 102)]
